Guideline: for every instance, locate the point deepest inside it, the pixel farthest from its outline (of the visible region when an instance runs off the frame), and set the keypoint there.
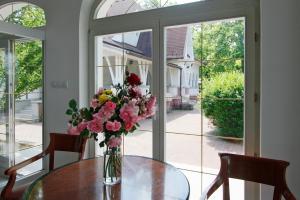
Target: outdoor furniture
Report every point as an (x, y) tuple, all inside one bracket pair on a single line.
[(142, 178), (58, 142), (254, 169)]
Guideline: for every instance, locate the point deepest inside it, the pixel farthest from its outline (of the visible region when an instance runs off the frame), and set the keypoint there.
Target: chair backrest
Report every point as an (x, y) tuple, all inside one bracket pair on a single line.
[(58, 142), (65, 142), (254, 169)]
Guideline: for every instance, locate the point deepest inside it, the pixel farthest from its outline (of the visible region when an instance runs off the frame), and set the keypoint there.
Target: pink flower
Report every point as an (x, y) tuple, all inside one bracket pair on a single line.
[(129, 112), (128, 126), (81, 126), (150, 105), (73, 130), (95, 125), (114, 142), (106, 112), (113, 126), (94, 103), (151, 102), (110, 106)]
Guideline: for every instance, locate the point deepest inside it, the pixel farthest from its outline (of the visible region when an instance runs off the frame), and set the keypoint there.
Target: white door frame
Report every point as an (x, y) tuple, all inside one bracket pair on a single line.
[(18, 31), (203, 11)]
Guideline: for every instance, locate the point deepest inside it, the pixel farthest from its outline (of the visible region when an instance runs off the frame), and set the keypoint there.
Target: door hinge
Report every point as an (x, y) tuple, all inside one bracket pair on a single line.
[(256, 37)]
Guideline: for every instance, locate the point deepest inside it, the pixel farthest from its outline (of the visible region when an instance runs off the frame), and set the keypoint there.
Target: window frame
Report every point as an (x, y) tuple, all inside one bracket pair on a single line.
[(157, 20), (35, 34)]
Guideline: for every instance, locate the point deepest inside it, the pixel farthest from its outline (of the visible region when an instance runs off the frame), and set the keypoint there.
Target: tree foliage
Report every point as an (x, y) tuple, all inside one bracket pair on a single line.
[(220, 46), (222, 101), (29, 16)]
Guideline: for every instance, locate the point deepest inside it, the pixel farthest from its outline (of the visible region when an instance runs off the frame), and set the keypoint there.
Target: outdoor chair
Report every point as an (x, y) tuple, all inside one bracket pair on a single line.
[(254, 169), (58, 142)]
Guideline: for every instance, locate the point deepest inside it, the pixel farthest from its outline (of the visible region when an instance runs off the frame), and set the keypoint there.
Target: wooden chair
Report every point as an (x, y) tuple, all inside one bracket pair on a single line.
[(254, 169), (58, 142)]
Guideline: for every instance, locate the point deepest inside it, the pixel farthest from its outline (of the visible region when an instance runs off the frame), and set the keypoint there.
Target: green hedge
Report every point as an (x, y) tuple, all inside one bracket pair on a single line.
[(223, 102)]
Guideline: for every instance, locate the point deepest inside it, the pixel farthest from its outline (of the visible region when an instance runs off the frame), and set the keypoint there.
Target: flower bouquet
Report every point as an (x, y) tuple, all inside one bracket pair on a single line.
[(113, 113)]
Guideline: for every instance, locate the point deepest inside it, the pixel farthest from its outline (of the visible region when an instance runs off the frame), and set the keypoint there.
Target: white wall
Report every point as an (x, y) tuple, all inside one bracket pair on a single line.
[(65, 60), (280, 84)]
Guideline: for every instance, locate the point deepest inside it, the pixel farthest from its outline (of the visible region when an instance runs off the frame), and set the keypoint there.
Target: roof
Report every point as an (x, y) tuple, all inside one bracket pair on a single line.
[(119, 7), (176, 36)]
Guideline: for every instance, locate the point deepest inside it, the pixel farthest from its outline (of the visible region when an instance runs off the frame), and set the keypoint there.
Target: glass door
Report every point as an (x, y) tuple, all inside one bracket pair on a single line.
[(204, 73), (115, 54), (204, 98), (21, 102)]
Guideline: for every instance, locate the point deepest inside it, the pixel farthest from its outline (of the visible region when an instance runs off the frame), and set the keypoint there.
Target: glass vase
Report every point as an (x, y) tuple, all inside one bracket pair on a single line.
[(112, 167)]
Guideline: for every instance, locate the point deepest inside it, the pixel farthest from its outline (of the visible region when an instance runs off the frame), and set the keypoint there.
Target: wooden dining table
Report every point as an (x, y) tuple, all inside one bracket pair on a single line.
[(142, 179)]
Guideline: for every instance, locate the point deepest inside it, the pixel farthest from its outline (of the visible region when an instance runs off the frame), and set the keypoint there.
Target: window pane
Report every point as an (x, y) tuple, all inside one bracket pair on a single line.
[(116, 7), (24, 14), (195, 181), (184, 151), (204, 98), (115, 54), (28, 95), (212, 146)]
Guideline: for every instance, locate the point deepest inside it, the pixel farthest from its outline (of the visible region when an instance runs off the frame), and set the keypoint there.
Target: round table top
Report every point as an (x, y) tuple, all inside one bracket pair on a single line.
[(142, 179)]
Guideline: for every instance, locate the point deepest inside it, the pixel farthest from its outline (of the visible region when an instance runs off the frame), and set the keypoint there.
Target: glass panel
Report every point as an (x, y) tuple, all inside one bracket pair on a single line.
[(138, 143), (184, 151), (6, 131), (28, 94), (3, 86), (183, 121), (131, 51), (212, 146), (22, 13), (183, 112), (116, 7), (195, 181), (204, 97)]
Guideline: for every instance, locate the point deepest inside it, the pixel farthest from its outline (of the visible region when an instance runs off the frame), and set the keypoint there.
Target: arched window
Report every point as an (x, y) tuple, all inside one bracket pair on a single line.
[(23, 13), (108, 8)]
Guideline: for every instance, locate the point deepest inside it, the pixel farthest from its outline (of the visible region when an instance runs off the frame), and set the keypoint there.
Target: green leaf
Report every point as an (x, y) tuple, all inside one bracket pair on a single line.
[(69, 112), (73, 104), (85, 133), (87, 114)]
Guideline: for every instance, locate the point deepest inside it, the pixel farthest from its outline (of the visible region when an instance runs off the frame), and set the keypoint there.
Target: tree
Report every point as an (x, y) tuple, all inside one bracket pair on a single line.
[(29, 16), (220, 46)]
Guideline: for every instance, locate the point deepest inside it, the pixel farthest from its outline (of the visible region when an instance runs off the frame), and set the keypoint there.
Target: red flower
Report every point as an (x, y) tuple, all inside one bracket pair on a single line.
[(134, 79)]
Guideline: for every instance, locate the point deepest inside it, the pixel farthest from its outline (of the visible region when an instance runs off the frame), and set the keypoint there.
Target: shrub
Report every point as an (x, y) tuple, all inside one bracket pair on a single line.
[(223, 102)]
